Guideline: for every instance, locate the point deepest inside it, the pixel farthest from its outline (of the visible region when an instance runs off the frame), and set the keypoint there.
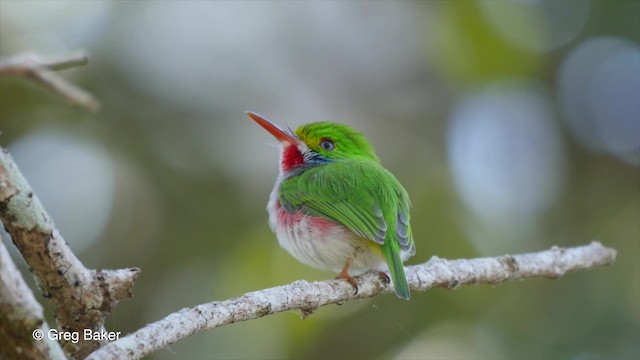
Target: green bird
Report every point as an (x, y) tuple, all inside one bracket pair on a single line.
[(334, 207)]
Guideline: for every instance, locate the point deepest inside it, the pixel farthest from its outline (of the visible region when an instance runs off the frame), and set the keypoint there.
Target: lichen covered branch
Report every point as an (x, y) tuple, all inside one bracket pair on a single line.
[(21, 314), (81, 298), (308, 296)]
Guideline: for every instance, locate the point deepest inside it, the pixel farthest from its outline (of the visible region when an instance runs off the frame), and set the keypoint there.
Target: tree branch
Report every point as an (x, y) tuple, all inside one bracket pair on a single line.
[(39, 69), (307, 296), (22, 314), (81, 298)]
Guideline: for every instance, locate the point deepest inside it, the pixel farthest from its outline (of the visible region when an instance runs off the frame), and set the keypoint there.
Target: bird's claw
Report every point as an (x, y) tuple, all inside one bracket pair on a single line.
[(384, 277), (351, 281)]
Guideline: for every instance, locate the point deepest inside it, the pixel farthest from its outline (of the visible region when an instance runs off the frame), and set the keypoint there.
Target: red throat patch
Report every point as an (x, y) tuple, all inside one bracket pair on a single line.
[(291, 157)]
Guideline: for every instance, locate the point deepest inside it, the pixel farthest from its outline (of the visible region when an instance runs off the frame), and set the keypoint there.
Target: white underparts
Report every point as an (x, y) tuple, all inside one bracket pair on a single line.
[(327, 248)]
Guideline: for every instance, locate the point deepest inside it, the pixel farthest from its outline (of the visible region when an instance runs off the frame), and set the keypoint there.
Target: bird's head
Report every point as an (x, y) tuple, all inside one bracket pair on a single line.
[(317, 143)]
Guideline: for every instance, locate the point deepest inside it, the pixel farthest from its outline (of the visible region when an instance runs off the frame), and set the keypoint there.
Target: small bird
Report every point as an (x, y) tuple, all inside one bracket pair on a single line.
[(334, 207)]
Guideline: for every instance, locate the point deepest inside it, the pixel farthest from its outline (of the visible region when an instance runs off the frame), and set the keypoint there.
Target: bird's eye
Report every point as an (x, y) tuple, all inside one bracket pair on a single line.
[(326, 144)]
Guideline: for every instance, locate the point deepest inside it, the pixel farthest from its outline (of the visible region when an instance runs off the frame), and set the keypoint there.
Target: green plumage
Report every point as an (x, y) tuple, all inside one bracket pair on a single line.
[(335, 207), (354, 190)]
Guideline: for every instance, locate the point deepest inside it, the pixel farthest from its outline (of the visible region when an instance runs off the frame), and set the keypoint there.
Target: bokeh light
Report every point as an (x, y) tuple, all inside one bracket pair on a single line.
[(506, 158), (599, 88), (537, 26), (64, 169)]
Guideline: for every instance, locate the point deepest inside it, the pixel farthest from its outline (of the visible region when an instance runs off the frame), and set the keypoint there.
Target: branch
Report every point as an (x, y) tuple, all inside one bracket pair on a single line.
[(307, 296), (39, 69), (81, 298), (22, 314)]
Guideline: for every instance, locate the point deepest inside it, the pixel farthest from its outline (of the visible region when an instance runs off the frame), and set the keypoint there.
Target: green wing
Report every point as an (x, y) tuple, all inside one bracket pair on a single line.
[(364, 197), (353, 193)]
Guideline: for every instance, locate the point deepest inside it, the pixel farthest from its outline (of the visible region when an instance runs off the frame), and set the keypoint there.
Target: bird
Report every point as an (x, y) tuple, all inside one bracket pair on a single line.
[(335, 207)]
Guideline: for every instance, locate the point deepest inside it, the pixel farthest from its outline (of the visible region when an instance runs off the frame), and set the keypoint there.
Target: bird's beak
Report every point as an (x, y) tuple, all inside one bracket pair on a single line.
[(275, 130)]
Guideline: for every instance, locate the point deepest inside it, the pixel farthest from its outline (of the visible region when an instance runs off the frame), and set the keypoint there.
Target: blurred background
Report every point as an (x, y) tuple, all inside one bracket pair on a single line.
[(514, 126)]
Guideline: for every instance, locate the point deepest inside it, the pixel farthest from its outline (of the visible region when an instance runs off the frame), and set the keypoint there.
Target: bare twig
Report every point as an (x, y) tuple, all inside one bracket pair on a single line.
[(307, 296), (81, 298), (40, 68)]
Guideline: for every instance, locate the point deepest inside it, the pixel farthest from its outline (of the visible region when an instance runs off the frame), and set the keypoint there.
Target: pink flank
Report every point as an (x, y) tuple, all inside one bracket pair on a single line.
[(321, 226), (320, 243)]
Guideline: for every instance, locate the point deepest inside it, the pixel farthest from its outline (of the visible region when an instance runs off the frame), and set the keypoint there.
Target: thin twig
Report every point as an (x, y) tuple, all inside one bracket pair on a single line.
[(39, 68), (307, 297), (81, 298), (14, 64)]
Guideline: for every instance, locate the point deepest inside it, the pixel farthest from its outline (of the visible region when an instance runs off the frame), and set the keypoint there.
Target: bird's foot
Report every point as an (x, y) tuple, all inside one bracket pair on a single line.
[(350, 280), (344, 274), (384, 277)]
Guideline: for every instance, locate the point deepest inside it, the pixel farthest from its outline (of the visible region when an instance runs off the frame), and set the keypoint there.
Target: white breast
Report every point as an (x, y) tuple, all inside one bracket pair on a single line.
[(325, 247)]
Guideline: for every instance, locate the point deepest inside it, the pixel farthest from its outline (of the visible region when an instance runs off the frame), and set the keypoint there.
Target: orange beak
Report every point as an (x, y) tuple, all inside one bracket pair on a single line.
[(275, 130)]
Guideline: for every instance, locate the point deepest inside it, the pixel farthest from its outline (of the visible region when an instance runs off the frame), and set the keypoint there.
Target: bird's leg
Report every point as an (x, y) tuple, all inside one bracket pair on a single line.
[(344, 274)]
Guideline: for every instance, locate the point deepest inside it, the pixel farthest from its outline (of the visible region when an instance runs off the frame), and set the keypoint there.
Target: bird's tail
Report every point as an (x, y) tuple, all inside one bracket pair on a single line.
[(391, 251)]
